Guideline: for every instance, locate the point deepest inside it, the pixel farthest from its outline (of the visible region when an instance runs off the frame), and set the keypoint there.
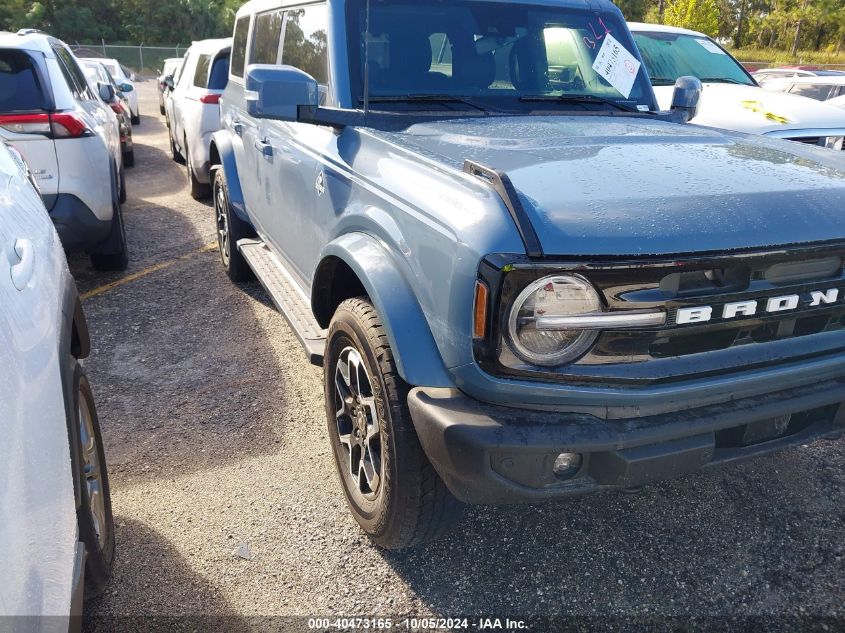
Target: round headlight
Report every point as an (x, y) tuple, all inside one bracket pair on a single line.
[(555, 296)]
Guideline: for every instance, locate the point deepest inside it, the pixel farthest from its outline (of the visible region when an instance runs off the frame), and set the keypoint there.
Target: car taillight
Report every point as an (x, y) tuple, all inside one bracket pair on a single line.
[(210, 99), (68, 125), (26, 123), (117, 106)]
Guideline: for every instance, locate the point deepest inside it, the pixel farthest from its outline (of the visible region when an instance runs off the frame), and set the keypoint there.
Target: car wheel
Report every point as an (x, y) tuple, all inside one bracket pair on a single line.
[(161, 109), (136, 119), (199, 191), (129, 158), (94, 515), (116, 255), (390, 486), (174, 153), (230, 230)]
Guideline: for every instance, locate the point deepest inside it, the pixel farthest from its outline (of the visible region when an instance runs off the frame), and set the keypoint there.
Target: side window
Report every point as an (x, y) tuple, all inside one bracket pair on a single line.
[(267, 36), (181, 69), (74, 77), (306, 42), (219, 73), (239, 46), (819, 92), (201, 73)]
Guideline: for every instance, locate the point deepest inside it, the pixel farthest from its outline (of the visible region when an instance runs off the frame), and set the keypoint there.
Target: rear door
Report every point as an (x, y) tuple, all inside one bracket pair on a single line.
[(25, 103), (295, 176), (234, 118)]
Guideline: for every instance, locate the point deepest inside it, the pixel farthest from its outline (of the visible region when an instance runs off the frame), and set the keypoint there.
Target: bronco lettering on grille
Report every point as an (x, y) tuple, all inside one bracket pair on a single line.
[(770, 305)]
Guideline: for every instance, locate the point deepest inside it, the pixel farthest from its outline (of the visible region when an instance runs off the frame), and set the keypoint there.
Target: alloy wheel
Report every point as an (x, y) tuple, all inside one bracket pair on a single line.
[(92, 471), (358, 425), (220, 210)]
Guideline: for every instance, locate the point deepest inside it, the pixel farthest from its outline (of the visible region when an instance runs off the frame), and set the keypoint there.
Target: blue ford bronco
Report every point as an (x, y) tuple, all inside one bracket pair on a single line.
[(522, 280)]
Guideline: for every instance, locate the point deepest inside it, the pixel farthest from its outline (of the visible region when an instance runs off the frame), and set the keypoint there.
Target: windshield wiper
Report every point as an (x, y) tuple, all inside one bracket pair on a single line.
[(432, 98), (577, 99), (723, 80), (662, 81)]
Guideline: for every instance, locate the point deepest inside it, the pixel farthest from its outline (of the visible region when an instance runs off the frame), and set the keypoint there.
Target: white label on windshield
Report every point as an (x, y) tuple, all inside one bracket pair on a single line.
[(710, 46), (617, 65)]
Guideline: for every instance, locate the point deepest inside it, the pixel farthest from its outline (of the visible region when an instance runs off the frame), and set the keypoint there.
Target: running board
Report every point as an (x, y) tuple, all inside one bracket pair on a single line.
[(288, 297)]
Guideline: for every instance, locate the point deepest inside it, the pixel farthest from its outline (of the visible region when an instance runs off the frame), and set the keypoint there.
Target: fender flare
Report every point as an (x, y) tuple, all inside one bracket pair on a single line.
[(223, 155), (416, 354)]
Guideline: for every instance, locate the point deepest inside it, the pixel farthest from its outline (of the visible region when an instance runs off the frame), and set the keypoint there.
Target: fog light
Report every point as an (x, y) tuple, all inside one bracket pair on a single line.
[(566, 465)]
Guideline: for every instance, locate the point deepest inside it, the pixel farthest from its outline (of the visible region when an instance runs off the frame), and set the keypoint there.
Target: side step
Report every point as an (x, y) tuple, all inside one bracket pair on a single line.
[(288, 297)]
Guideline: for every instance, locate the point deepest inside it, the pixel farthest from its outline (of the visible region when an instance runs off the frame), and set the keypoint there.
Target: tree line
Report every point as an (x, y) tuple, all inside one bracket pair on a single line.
[(788, 25), (153, 23)]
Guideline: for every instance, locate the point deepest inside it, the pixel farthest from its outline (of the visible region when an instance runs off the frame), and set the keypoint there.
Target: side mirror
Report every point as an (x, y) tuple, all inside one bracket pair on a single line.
[(278, 92), (126, 87), (168, 81), (106, 91), (687, 96)]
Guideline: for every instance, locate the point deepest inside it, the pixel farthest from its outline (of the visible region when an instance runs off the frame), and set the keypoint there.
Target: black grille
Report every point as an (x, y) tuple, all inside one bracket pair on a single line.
[(680, 351)]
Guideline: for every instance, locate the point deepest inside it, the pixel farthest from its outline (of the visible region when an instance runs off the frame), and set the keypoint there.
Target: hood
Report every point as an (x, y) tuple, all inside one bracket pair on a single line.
[(758, 111), (624, 185)]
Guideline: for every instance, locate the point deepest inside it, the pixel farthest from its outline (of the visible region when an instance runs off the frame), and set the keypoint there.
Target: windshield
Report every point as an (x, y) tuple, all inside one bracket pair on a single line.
[(487, 50), (668, 56)]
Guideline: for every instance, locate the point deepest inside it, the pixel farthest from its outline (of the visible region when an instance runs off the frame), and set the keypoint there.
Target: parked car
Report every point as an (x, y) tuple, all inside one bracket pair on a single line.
[(56, 527), (818, 88), (193, 109), (839, 102), (126, 80), (99, 74), (169, 68), (767, 74), (70, 138), (731, 99), (522, 280)]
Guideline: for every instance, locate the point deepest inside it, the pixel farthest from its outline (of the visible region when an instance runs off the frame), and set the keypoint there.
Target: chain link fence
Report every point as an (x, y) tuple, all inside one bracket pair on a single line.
[(144, 61)]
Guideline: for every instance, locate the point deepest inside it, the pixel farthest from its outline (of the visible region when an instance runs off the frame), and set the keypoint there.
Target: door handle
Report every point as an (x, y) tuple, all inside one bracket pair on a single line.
[(22, 259), (238, 127), (264, 148)]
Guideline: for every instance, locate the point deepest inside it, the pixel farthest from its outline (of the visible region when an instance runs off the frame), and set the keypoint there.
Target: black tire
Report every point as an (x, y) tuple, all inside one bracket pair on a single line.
[(230, 229), (174, 153), (129, 158), (198, 190), (117, 256), (96, 528), (161, 109), (411, 504), (112, 253), (136, 120), (122, 185)]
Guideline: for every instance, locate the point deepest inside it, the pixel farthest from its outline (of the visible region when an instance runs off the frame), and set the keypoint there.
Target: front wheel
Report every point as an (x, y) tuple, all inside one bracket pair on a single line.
[(391, 488)]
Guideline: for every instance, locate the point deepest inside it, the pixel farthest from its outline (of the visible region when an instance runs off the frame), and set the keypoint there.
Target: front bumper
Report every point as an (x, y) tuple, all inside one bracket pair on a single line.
[(493, 454)]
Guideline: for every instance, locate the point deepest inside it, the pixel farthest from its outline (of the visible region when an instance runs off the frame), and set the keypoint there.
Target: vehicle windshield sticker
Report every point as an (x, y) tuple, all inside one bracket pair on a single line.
[(617, 65), (710, 46), (756, 106)]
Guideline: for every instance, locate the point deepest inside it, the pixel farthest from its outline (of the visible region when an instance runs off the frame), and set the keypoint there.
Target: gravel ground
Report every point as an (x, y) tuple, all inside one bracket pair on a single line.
[(215, 435)]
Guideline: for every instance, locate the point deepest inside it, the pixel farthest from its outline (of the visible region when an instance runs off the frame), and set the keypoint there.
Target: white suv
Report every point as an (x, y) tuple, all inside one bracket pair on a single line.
[(126, 82), (71, 140), (193, 109), (56, 525)]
